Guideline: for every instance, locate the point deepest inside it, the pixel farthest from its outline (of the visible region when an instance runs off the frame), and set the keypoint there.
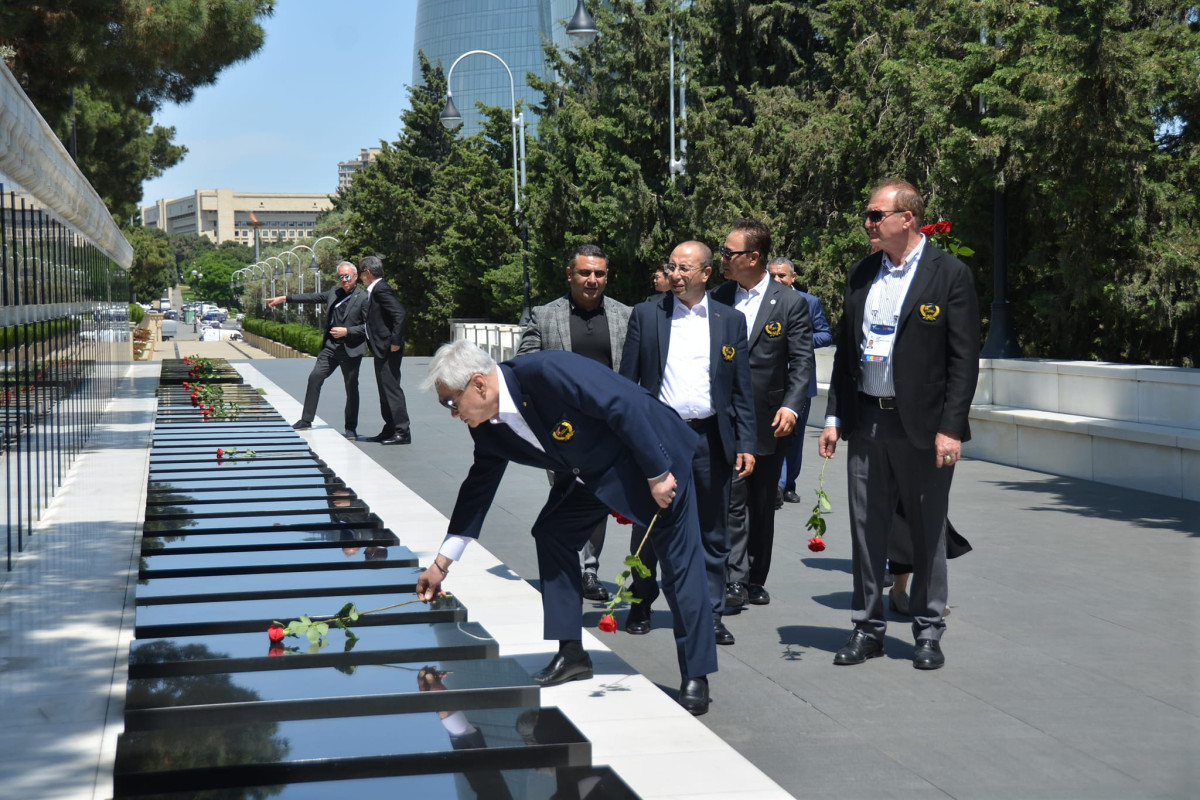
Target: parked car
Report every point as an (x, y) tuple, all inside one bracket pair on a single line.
[(171, 314), (170, 328)]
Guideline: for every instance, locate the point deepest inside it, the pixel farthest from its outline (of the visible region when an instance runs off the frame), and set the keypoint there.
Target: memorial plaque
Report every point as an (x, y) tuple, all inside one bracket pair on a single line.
[(246, 494), (361, 576), (351, 555), (392, 744), (294, 476), (243, 616), (246, 652), (553, 783), (253, 521), (266, 506), (277, 540)]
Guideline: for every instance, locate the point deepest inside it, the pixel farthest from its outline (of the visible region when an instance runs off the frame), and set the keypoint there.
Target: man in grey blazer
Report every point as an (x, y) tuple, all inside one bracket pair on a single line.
[(344, 346), (590, 324)]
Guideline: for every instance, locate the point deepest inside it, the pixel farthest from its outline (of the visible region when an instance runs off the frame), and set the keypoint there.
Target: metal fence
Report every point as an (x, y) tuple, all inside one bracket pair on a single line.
[(64, 328)]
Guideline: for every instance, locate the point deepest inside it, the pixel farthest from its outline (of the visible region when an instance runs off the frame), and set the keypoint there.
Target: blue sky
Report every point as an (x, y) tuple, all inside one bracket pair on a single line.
[(331, 79)]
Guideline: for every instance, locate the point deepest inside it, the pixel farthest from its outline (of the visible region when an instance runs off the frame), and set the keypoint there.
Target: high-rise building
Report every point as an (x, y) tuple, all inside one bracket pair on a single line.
[(225, 215), (346, 169), (515, 30)]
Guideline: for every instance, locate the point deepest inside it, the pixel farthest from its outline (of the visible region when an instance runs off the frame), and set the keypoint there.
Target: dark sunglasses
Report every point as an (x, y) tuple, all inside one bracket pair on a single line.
[(727, 253), (449, 403), (876, 217), (346, 277)]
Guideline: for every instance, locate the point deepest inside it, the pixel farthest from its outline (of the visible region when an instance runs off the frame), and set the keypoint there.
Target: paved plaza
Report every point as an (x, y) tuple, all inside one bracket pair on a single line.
[(1071, 654)]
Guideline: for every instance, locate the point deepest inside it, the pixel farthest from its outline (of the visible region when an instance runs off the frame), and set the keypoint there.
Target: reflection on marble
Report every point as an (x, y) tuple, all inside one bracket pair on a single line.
[(558, 783), (374, 576), (355, 552), (288, 539), (266, 505), (246, 494), (308, 476), (238, 652), (243, 616), (481, 742), (204, 465), (250, 521)]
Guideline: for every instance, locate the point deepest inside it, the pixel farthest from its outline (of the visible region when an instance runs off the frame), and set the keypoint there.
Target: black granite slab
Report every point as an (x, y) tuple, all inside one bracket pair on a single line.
[(353, 554), (265, 507), (176, 527), (247, 494), (291, 476), (167, 441), (375, 576), (351, 690), (210, 465), (546, 783), (275, 539), (394, 744), (253, 651), (196, 451), (243, 616)]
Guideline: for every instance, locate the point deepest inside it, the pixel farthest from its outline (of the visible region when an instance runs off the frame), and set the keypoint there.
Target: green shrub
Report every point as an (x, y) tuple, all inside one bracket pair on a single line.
[(136, 313)]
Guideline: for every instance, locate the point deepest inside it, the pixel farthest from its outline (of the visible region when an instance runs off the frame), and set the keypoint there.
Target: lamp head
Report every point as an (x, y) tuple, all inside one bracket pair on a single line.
[(450, 116), (582, 27)]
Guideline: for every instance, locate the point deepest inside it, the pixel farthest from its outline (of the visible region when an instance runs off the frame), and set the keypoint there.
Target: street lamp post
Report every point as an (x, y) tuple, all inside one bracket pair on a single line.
[(312, 265), (677, 166), (451, 118)]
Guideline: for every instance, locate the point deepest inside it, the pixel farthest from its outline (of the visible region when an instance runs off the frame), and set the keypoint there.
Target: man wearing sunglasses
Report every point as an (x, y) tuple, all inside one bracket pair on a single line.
[(779, 334), (903, 379), (586, 322), (611, 445), (344, 345)]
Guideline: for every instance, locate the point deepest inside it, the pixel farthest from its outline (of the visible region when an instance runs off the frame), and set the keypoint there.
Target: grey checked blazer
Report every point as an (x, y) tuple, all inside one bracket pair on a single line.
[(550, 327)]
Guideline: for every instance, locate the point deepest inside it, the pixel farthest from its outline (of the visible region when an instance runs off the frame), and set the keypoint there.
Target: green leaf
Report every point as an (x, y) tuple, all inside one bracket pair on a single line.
[(965, 252), (825, 504)]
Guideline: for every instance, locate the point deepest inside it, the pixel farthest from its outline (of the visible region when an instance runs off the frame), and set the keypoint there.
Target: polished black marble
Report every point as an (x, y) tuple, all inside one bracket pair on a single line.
[(375, 576), (546, 783), (252, 651), (211, 465), (392, 744), (265, 506), (248, 494), (242, 616), (257, 521), (354, 552), (274, 539), (204, 450), (291, 476)]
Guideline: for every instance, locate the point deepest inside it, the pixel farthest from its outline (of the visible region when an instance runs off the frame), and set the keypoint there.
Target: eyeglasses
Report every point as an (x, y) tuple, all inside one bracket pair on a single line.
[(345, 277), (682, 270), (448, 402), (727, 253), (876, 217)]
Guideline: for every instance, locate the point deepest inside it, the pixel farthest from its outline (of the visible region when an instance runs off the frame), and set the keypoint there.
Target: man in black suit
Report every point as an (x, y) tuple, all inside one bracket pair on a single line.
[(689, 351), (903, 378), (781, 363), (385, 334), (344, 346), (615, 447)]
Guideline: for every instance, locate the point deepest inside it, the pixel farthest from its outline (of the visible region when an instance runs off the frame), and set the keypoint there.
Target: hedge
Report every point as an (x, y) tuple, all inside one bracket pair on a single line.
[(303, 338)]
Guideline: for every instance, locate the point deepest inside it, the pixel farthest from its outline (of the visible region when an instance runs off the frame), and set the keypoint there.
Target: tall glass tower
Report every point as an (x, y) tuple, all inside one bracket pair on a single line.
[(512, 29)]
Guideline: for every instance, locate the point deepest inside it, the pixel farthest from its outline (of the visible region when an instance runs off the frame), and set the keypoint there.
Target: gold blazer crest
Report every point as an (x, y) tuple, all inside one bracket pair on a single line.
[(563, 431), (727, 352), (930, 312), (773, 329)]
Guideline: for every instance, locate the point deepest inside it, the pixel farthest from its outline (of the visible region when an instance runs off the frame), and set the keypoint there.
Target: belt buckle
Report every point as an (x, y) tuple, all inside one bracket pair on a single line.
[(886, 403)]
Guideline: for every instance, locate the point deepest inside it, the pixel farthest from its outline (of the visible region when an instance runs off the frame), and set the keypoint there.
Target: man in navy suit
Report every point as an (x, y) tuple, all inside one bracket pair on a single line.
[(784, 271), (781, 359), (386, 318), (613, 446), (903, 378), (690, 352)]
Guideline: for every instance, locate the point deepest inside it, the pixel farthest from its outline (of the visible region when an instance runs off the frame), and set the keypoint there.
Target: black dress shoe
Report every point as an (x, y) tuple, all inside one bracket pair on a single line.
[(351, 434), (638, 621), (735, 594), (928, 655), (791, 497), (693, 696), (399, 438), (560, 670), (756, 595), (381, 436), (593, 589), (858, 649), (301, 425), (778, 498), (722, 633)]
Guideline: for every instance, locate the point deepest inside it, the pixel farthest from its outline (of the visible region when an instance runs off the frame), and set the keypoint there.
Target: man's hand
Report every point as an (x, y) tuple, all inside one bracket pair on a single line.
[(395, 347), (429, 585), (784, 423), (948, 447), (277, 301), (663, 490), (337, 332), (744, 465), (828, 442)]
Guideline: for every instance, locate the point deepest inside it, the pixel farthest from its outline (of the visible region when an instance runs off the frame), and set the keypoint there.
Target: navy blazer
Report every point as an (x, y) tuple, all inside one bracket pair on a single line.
[(935, 358), (592, 423), (386, 318), (781, 356), (352, 315), (822, 333), (645, 360)]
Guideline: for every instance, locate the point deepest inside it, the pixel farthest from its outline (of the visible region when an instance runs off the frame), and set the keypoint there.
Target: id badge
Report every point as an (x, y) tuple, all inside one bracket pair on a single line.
[(878, 347)]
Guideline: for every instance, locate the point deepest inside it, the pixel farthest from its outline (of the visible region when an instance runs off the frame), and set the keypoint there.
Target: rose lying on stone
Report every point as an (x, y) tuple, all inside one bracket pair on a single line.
[(608, 623), (816, 544)]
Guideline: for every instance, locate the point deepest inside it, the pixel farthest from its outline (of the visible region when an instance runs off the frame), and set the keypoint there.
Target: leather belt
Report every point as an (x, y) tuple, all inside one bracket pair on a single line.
[(882, 403), (701, 424)]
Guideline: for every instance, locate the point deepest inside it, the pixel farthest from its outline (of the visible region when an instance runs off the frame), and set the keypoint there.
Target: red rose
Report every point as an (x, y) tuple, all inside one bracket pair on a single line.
[(608, 623), (620, 519), (942, 227), (275, 633), (220, 453), (816, 544), (928, 229), (276, 650)]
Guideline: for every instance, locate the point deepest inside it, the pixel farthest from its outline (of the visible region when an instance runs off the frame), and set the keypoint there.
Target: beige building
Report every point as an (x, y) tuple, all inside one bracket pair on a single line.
[(346, 169), (225, 215)]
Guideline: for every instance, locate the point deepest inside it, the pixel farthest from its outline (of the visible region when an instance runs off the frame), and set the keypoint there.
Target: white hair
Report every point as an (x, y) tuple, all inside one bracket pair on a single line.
[(346, 264), (453, 365)]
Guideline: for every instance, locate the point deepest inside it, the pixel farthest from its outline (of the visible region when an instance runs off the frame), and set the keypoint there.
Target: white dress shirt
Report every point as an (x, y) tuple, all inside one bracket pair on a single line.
[(686, 385)]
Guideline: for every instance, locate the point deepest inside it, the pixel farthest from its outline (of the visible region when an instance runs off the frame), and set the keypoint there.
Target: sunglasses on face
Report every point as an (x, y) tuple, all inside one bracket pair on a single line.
[(448, 403), (876, 217), (345, 277), (727, 253)]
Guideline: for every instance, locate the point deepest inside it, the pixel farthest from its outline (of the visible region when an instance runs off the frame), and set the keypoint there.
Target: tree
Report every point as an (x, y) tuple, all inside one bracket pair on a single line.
[(152, 270), (217, 267)]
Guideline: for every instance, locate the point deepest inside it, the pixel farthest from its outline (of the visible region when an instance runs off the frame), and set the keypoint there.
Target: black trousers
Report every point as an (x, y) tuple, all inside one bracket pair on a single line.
[(391, 397), (752, 519), (711, 474), (330, 358)]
